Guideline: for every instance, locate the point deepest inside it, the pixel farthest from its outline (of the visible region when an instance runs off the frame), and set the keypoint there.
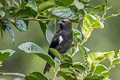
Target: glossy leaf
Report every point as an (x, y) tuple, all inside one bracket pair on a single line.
[(43, 27), (78, 5), (6, 53), (20, 25), (66, 75), (84, 52), (97, 9), (97, 57), (77, 34), (67, 58), (36, 76), (67, 2), (115, 61), (79, 67), (65, 65), (2, 28), (32, 4), (3, 2), (118, 54), (85, 1), (10, 30), (56, 53), (90, 22), (30, 47), (50, 31), (94, 78), (46, 5), (2, 13), (25, 12), (64, 12), (100, 69)]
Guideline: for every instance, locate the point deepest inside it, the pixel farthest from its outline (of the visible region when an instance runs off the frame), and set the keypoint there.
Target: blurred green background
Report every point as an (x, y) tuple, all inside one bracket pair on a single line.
[(106, 39)]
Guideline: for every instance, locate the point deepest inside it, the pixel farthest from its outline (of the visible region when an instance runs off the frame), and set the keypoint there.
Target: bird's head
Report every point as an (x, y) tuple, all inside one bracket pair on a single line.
[(65, 24)]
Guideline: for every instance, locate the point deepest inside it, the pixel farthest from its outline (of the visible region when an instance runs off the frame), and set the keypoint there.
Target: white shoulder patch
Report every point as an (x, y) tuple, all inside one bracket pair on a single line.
[(60, 39)]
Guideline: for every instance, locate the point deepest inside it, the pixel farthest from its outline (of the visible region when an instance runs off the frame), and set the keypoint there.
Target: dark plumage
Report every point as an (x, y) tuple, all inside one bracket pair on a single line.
[(61, 40)]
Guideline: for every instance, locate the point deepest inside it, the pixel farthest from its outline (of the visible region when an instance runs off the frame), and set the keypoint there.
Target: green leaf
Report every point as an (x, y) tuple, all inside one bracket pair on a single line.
[(56, 53), (106, 75), (25, 12), (32, 4), (65, 65), (66, 2), (12, 74), (85, 1), (115, 61), (46, 5), (20, 25), (94, 78), (100, 69), (77, 34), (2, 13), (90, 22), (47, 58), (10, 30), (36, 76), (97, 9), (67, 58), (106, 7), (84, 52), (5, 53), (76, 65), (50, 31), (43, 27), (2, 28), (30, 47), (3, 2), (118, 54), (78, 5), (64, 12), (97, 57), (27, 23), (67, 75)]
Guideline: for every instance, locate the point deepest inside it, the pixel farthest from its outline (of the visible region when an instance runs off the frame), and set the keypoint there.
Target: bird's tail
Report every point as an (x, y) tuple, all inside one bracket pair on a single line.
[(47, 68)]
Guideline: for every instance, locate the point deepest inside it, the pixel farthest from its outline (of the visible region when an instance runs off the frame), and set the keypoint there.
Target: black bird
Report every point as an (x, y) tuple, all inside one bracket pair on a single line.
[(61, 40)]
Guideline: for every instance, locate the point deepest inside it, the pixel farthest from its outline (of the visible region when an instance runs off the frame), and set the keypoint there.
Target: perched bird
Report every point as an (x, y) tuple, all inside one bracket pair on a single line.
[(61, 40)]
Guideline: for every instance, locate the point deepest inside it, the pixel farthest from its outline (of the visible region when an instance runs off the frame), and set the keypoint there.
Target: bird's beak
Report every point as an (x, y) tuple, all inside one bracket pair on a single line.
[(60, 22)]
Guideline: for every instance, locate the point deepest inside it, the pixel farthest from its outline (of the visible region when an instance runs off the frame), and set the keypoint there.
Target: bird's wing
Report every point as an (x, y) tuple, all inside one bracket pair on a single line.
[(55, 41)]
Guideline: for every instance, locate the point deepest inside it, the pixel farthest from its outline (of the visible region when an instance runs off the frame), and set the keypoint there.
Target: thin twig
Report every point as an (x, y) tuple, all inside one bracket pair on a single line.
[(56, 72), (76, 49), (113, 15)]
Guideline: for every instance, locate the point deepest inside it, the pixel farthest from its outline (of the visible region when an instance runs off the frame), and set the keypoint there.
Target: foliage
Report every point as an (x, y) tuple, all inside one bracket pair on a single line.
[(18, 13)]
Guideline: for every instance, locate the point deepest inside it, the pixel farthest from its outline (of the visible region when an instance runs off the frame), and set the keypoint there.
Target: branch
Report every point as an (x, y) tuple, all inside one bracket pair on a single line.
[(56, 72), (113, 15), (31, 19), (77, 47)]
